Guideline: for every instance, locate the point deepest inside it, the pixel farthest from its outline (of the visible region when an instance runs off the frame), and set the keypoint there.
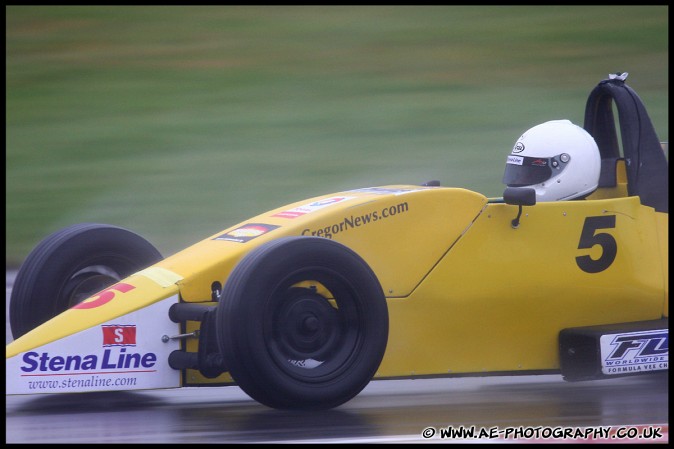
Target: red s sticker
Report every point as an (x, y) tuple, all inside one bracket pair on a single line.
[(119, 335)]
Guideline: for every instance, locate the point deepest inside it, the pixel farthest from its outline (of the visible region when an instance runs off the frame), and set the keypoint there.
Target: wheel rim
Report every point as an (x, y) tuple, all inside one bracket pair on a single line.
[(86, 282), (306, 328), (309, 337)]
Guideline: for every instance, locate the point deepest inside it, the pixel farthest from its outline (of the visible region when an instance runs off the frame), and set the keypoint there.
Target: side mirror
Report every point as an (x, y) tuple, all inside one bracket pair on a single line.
[(519, 196)]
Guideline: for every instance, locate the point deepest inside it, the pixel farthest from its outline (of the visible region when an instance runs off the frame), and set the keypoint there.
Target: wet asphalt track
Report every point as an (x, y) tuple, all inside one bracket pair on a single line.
[(387, 411)]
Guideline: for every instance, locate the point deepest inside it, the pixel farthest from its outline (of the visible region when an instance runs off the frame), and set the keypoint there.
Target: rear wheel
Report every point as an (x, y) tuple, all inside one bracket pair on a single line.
[(69, 266), (302, 323)]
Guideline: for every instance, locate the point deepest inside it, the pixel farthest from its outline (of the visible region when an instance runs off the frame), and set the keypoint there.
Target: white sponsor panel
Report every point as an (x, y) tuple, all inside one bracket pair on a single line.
[(126, 353), (634, 352), (311, 207), (515, 160), (388, 190)]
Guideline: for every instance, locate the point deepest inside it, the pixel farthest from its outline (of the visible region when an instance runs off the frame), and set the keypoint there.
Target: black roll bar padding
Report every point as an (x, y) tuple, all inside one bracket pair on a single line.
[(646, 164)]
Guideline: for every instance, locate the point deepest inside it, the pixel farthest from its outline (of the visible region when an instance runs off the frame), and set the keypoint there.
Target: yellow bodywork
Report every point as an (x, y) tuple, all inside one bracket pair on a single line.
[(466, 291), (498, 299)]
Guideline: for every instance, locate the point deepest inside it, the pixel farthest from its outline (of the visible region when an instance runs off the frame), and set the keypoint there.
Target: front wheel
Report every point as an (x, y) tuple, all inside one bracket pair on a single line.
[(69, 266), (302, 323)]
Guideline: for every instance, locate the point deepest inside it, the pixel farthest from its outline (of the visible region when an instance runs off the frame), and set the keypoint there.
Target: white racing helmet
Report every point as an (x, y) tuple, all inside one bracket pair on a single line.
[(558, 159)]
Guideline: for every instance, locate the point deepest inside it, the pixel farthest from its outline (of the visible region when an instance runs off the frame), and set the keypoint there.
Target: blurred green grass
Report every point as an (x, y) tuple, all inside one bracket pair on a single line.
[(177, 122)]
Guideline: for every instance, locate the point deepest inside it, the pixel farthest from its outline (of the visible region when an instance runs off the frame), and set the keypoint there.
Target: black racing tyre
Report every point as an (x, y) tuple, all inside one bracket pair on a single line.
[(292, 346), (69, 266)]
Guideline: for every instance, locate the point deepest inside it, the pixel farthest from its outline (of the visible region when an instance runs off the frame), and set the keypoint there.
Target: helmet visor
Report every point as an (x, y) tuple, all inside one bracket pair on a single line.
[(525, 171)]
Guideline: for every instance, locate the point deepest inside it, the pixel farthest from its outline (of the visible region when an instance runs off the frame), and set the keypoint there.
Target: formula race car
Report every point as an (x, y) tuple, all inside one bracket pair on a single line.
[(303, 305)]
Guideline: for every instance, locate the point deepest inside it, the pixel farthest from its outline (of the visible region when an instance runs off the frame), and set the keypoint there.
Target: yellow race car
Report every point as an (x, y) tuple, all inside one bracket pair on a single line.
[(303, 305)]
